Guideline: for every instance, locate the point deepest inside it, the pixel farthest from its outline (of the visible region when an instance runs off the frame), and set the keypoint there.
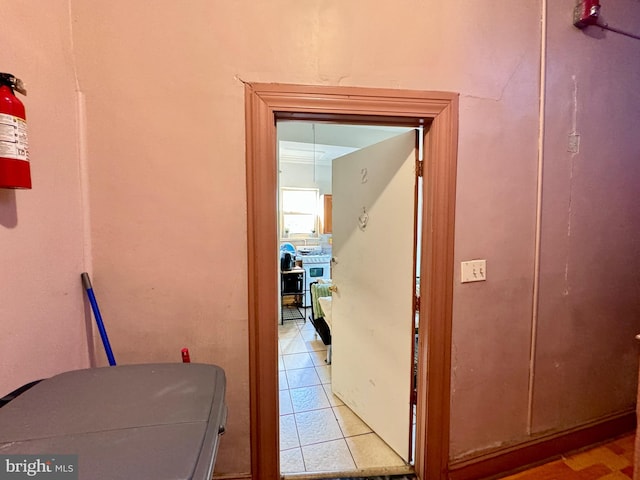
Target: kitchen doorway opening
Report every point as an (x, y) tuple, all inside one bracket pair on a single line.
[(267, 103), (363, 420)]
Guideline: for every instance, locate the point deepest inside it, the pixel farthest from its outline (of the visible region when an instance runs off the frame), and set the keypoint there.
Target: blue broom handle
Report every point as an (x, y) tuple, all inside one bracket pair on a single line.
[(96, 312)]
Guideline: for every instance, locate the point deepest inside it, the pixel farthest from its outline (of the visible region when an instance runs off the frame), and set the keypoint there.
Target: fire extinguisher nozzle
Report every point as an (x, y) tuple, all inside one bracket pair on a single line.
[(13, 82)]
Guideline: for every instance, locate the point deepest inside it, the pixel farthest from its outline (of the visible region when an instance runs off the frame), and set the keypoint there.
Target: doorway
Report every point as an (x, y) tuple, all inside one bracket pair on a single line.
[(265, 103), (351, 409)]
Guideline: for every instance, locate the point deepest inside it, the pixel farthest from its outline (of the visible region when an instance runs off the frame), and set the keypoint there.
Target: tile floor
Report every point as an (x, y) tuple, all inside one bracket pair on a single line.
[(317, 431)]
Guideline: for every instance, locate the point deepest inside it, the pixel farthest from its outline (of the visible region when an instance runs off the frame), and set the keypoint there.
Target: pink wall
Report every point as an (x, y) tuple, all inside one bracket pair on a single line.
[(584, 359), (42, 308), (165, 119), (166, 141), (589, 296)]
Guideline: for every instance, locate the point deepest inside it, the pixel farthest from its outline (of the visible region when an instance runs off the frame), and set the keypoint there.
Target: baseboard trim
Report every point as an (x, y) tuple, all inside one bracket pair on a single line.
[(542, 449)]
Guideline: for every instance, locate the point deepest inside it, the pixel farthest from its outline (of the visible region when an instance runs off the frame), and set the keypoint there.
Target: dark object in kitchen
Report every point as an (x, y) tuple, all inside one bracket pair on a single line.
[(287, 261)]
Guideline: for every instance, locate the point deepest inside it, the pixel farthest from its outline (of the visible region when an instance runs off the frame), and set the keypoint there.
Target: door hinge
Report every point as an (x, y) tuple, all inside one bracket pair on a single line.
[(419, 167), (416, 303)]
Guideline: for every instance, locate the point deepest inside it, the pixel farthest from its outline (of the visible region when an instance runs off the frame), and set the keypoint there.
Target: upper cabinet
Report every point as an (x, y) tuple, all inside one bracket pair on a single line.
[(326, 217)]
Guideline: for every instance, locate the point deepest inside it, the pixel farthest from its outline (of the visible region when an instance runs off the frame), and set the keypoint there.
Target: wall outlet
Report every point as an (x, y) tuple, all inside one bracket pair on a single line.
[(474, 271)]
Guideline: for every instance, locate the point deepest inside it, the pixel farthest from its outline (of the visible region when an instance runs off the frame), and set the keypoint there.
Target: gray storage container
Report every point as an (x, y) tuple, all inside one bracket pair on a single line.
[(150, 421)]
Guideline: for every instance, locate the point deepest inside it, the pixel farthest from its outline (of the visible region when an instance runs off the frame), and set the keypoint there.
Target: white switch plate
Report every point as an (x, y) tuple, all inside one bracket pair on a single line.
[(474, 271)]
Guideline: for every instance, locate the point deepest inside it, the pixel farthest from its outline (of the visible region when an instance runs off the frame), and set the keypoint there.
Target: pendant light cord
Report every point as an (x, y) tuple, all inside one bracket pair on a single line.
[(313, 128)]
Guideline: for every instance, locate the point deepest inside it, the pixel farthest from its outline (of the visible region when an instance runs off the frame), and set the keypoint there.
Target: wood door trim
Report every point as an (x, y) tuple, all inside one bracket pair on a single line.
[(439, 110)]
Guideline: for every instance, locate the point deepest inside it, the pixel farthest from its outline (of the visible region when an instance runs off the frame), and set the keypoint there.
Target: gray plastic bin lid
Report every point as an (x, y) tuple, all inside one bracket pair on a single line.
[(150, 421)]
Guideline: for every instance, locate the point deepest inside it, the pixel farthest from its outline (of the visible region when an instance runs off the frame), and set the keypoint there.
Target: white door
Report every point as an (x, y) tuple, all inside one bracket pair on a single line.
[(373, 270)]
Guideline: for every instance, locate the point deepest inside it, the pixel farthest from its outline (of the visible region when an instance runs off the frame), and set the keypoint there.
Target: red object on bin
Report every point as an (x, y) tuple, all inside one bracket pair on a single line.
[(185, 356)]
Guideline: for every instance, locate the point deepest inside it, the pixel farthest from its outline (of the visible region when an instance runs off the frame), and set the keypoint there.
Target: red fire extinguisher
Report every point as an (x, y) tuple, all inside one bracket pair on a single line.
[(14, 149)]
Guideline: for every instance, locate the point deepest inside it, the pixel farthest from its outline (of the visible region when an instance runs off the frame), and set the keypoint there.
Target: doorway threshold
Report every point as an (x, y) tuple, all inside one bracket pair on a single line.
[(383, 473)]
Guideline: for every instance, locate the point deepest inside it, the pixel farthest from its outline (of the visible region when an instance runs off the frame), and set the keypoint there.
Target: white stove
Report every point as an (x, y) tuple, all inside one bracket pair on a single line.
[(313, 259), (315, 267)]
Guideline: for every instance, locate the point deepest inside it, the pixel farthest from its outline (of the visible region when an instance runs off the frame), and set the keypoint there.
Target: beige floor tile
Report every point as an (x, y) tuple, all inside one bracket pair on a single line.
[(315, 346), (282, 380), (288, 330), (350, 423), (293, 345), (302, 377), (328, 456), (285, 403), (288, 432), (317, 426), (291, 461), (369, 451), (307, 325), (309, 334), (319, 357), (324, 372), (333, 400), (308, 398), (297, 360)]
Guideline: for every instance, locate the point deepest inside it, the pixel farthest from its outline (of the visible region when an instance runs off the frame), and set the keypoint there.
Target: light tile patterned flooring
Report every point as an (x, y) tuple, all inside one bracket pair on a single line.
[(317, 431), (610, 461)]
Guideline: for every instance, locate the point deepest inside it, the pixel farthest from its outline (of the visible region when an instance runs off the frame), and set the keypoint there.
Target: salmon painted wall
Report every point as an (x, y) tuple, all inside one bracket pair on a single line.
[(583, 357), (586, 354), (165, 99), (43, 321), (165, 119)]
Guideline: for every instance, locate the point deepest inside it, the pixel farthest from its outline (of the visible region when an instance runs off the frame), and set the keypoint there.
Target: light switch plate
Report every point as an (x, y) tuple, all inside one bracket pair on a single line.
[(474, 271)]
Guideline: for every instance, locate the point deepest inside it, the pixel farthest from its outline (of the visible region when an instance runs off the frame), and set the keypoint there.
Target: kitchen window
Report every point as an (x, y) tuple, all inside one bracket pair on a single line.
[(299, 212)]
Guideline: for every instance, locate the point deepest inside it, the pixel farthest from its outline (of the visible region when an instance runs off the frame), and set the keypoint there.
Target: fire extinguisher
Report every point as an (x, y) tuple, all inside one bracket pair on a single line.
[(14, 151)]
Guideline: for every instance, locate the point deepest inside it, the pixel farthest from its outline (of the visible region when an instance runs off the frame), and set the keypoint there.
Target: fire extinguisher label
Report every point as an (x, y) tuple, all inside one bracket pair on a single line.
[(13, 137)]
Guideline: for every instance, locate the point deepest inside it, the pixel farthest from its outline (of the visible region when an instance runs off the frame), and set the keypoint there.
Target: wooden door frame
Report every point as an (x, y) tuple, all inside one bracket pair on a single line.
[(263, 104)]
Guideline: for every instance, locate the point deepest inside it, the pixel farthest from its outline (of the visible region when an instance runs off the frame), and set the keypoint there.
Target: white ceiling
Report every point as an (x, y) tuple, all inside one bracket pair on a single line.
[(306, 142)]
